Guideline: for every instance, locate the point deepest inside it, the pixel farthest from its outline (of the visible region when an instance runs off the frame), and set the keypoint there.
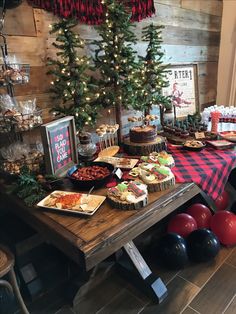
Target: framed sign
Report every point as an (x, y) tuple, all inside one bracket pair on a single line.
[(59, 142), (183, 89)]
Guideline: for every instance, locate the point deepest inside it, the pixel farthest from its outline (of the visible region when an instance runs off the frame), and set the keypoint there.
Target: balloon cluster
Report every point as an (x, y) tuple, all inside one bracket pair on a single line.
[(196, 234)]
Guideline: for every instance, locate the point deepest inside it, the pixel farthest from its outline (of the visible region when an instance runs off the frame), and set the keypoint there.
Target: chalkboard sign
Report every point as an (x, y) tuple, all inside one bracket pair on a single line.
[(59, 142)]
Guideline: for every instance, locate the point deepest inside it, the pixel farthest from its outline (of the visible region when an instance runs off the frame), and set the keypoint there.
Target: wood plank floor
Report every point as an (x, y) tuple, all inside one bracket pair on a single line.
[(199, 288)]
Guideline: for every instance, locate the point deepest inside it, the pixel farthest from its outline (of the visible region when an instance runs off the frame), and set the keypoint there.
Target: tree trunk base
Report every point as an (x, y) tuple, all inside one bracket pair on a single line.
[(144, 149)]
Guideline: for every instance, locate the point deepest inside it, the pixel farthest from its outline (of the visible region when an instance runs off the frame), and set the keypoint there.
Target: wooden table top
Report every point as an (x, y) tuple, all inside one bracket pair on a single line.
[(90, 239)]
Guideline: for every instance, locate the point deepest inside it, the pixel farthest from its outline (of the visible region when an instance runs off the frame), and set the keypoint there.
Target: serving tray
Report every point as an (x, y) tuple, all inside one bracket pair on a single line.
[(93, 203), (229, 135), (221, 144), (124, 163)]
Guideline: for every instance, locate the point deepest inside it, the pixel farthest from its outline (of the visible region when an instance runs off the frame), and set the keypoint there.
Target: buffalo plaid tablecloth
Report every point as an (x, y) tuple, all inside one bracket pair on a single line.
[(209, 168)]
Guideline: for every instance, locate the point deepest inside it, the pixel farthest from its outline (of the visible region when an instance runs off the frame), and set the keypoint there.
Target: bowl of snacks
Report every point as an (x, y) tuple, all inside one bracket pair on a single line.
[(89, 174), (194, 145)]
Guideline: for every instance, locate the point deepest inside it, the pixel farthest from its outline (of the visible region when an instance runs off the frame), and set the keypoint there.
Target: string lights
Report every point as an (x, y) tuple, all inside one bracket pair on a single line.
[(71, 83)]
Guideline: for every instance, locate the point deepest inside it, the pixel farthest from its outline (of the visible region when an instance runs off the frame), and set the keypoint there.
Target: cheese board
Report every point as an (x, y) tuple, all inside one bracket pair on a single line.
[(72, 202)]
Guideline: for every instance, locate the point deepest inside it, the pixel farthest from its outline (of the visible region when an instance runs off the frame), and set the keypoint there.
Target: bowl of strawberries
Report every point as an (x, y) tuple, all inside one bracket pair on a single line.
[(90, 174)]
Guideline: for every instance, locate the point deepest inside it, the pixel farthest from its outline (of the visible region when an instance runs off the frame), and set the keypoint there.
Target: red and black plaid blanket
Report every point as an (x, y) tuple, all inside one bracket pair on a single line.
[(209, 168)]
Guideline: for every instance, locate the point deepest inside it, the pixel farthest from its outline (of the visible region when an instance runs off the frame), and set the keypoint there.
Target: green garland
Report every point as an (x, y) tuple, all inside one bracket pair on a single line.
[(32, 188)]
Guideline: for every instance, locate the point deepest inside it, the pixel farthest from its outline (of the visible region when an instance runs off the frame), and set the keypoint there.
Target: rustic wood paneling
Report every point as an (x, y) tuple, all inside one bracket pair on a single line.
[(183, 36), (191, 35), (207, 82), (39, 22), (27, 49), (20, 21), (217, 293), (213, 7), (179, 17), (184, 54), (175, 3), (35, 85)]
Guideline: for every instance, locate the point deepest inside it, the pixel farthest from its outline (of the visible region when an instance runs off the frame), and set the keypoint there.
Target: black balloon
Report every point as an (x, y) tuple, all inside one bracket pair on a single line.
[(172, 251), (202, 245), (233, 208)]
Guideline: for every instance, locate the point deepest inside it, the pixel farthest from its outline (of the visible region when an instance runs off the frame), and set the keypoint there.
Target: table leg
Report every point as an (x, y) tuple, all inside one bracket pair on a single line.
[(209, 201), (139, 273)]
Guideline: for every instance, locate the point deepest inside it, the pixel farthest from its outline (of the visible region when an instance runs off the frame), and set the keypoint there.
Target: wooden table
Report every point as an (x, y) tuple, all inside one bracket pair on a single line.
[(89, 240)]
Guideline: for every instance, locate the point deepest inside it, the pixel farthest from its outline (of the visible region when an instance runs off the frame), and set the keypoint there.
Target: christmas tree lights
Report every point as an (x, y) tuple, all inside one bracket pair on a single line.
[(71, 85), (152, 75), (115, 57)]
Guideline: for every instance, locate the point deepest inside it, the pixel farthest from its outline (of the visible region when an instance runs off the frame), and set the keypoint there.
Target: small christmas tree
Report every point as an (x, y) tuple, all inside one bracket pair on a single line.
[(116, 58), (153, 73), (71, 84)]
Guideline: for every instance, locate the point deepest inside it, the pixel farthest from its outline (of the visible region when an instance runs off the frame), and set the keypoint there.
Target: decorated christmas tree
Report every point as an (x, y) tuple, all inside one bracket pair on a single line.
[(116, 58), (153, 73), (71, 85)]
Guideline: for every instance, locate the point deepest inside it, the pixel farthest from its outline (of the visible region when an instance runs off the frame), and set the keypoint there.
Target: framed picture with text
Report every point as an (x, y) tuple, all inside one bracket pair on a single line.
[(183, 88), (60, 147)]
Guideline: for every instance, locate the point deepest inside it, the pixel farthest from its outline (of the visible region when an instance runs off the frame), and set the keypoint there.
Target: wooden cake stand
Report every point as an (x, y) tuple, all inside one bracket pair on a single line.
[(145, 148)]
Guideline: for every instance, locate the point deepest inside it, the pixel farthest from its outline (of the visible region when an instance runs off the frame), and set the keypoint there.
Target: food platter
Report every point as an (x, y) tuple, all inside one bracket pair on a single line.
[(90, 174), (72, 202), (229, 135), (194, 145), (221, 144), (124, 163)]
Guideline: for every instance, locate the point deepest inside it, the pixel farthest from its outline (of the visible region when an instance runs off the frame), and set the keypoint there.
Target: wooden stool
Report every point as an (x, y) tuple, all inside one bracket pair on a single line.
[(7, 268)]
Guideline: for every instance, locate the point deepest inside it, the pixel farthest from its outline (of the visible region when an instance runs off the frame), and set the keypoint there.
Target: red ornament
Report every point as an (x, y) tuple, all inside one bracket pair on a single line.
[(182, 224), (201, 214), (222, 202), (223, 224)]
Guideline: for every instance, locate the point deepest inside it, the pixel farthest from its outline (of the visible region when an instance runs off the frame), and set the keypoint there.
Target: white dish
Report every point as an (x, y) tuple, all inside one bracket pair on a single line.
[(87, 205)]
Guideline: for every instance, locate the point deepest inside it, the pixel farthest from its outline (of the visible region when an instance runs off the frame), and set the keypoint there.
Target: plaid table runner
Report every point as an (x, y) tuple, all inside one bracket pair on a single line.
[(209, 168)]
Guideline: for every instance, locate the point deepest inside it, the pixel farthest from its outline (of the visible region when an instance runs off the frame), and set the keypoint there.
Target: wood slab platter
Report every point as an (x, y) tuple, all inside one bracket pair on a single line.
[(136, 149)]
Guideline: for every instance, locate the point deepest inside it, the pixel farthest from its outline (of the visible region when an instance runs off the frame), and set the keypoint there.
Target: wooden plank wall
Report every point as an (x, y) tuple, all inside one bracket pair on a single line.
[(191, 35)]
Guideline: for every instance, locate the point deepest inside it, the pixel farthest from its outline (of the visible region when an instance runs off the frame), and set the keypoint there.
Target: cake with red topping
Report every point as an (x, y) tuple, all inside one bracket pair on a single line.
[(128, 195), (143, 134)]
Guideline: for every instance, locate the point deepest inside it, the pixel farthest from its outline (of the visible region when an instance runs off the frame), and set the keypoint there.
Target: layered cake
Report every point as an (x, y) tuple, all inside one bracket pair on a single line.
[(143, 134), (155, 176), (128, 195), (162, 158)]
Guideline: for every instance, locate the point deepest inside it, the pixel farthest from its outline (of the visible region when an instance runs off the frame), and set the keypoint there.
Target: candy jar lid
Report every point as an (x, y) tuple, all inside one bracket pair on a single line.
[(85, 137)]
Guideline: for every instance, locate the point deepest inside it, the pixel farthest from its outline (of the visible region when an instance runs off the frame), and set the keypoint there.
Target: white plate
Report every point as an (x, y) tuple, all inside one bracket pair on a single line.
[(98, 199)]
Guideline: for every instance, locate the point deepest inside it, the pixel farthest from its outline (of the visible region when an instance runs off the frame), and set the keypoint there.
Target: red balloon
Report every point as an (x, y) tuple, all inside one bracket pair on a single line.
[(223, 224), (222, 202), (182, 224), (201, 214)]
